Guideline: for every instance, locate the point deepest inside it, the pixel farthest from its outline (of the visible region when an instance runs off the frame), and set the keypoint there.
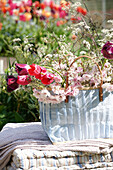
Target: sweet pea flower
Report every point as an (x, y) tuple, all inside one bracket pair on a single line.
[(23, 80), (11, 83), (39, 75), (22, 69), (47, 79), (34, 70), (107, 50)]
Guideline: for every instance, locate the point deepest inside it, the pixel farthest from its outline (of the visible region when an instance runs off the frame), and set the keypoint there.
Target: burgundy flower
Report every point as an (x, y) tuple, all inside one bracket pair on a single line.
[(107, 50), (21, 69), (11, 83), (23, 80)]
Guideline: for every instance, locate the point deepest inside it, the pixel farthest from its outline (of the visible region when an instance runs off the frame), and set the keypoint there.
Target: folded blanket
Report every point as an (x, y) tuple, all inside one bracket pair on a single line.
[(27, 159), (31, 136), (20, 135)]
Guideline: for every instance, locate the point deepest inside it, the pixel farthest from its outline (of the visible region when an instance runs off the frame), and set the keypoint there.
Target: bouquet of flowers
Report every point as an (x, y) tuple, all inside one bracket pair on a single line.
[(82, 61)]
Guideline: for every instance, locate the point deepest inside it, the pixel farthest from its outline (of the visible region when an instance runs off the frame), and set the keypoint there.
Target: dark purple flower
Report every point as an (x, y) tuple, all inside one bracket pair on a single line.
[(21, 69), (107, 50), (11, 83), (53, 11), (42, 17)]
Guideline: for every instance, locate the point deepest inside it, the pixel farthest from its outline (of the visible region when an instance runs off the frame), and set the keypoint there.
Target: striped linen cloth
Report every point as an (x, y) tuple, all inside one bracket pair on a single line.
[(29, 159)]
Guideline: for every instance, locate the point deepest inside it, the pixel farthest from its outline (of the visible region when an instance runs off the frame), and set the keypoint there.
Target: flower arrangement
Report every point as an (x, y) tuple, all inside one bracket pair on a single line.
[(83, 62)]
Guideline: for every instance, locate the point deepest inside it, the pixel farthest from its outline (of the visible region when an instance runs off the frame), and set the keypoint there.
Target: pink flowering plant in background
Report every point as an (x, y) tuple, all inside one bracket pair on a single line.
[(81, 62)]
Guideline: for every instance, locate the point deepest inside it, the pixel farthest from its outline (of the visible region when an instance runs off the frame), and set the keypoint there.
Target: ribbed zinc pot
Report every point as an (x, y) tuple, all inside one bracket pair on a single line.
[(82, 117)]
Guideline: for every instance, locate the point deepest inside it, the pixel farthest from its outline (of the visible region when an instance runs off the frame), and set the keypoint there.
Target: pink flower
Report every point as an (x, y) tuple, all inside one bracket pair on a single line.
[(79, 70), (72, 91), (10, 2), (29, 3), (22, 69), (58, 79), (62, 14), (58, 23), (23, 80), (86, 77), (22, 18), (47, 79)]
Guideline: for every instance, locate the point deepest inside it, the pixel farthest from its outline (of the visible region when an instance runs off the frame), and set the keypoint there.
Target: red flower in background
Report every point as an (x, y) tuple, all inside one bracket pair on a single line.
[(1, 25), (36, 4), (42, 6), (51, 4), (21, 9), (81, 10)]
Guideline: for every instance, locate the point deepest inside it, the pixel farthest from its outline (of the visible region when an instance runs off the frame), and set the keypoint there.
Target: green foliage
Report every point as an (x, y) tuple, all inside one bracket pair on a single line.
[(18, 106), (34, 29)]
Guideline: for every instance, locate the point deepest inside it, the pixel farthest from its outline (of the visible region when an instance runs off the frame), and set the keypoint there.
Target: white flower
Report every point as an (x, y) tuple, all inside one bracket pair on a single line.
[(108, 86), (16, 39), (44, 93), (87, 44), (82, 52), (87, 27)]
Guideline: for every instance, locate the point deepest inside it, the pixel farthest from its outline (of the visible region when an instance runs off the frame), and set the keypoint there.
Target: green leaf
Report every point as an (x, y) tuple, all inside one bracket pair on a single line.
[(18, 117)]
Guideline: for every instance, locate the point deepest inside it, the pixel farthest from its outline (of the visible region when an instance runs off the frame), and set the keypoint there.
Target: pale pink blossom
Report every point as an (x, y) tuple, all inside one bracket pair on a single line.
[(58, 79), (86, 77)]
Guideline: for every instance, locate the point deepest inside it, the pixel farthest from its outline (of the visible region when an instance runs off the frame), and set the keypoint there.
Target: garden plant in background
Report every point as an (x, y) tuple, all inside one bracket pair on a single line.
[(18, 19), (74, 82)]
